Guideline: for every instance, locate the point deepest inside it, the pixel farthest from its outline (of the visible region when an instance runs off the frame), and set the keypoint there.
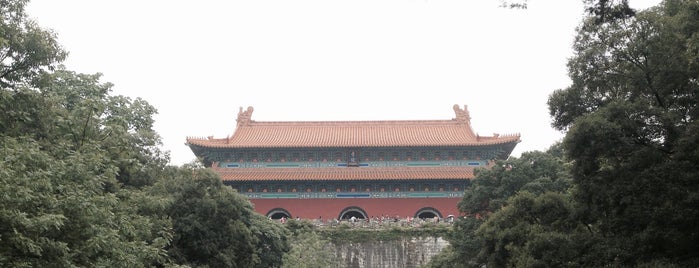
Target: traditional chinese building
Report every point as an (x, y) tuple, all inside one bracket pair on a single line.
[(340, 169)]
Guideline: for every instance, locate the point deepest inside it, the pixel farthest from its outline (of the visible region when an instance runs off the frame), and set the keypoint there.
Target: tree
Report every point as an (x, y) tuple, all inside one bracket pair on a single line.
[(632, 133), (91, 188), (464, 246), (535, 171), (64, 141), (83, 182), (533, 231), (308, 248), (606, 10), (214, 226), (492, 205), (26, 50), (63, 204), (86, 186), (272, 241)]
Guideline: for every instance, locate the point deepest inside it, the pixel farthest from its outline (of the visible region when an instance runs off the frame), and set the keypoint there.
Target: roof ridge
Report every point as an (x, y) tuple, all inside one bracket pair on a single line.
[(356, 121), (353, 133)]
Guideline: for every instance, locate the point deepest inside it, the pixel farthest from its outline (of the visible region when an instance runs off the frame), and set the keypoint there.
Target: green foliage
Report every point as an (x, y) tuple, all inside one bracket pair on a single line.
[(297, 227), (271, 241), (633, 153), (509, 208), (532, 231), (26, 50), (308, 248), (207, 221), (633, 136), (87, 186), (633, 146), (533, 171), (63, 205), (83, 182), (447, 258), (608, 10), (464, 245), (213, 226)]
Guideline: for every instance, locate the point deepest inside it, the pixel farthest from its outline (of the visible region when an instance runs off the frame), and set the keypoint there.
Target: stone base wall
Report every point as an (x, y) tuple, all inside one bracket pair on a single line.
[(403, 253)]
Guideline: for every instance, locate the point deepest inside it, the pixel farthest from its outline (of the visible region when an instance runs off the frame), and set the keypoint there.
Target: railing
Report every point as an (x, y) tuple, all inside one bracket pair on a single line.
[(401, 194), (380, 223)]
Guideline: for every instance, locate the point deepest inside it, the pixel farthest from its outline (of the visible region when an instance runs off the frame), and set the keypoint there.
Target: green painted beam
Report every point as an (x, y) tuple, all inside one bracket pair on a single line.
[(280, 195)]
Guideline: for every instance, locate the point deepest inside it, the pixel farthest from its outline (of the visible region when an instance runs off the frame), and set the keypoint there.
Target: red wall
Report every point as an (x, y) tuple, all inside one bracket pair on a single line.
[(330, 208)]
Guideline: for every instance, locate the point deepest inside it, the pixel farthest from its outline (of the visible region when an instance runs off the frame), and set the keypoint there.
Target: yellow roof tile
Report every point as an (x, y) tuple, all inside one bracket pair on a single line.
[(315, 134)]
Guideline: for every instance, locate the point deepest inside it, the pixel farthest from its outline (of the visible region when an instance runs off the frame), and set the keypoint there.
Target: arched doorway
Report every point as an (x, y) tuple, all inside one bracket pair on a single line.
[(349, 212), (428, 213), (278, 213)]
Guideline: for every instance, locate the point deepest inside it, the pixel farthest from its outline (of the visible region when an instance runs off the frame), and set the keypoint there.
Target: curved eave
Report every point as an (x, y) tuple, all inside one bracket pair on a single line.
[(224, 144), (508, 148), (346, 173)]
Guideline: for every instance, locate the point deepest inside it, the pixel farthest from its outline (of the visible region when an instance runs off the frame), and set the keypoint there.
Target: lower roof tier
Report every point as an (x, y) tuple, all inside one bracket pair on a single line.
[(346, 173)]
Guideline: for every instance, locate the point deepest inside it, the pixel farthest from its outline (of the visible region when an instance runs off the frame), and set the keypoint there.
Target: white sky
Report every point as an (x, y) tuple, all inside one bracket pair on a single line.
[(197, 62)]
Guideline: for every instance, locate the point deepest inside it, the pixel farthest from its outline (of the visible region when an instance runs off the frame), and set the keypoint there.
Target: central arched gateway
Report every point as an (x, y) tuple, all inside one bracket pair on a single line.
[(350, 212), (428, 213), (278, 213)]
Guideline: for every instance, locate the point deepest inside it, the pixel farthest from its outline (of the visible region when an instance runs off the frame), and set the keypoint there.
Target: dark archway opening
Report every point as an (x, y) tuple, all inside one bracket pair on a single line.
[(428, 213), (356, 212), (278, 213), (350, 214)]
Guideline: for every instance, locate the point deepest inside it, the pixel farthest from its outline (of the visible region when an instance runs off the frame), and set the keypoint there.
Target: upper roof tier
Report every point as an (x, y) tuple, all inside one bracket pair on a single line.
[(314, 134)]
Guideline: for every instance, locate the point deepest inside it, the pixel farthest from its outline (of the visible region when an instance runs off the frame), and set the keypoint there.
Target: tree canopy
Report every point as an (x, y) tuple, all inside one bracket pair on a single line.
[(627, 167), (215, 226), (512, 211), (26, 50), (84, 183), (632, 131)]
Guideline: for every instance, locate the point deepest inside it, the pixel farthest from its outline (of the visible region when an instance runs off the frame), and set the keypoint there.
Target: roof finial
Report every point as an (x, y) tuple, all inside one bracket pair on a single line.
[(462, 115), (244, 116)]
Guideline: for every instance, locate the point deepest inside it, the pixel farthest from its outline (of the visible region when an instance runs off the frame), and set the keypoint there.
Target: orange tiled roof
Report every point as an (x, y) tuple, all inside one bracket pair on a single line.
[(276, 134), (344, 173)]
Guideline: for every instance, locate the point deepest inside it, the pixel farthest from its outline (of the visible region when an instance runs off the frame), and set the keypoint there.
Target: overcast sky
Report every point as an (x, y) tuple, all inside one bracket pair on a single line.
[(197, 62)]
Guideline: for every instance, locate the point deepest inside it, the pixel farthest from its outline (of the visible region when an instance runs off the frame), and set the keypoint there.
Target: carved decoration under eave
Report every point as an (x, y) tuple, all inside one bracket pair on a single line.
[(244, 116)]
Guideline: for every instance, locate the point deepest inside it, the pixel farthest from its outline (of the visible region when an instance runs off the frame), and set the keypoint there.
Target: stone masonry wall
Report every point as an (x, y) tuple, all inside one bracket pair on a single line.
[(403, 253)]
